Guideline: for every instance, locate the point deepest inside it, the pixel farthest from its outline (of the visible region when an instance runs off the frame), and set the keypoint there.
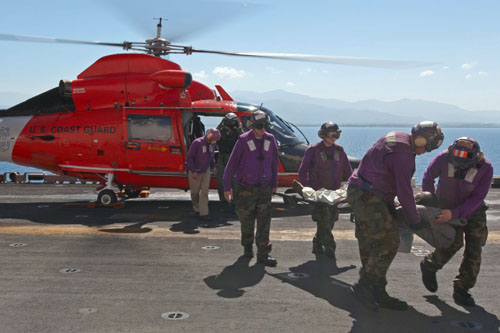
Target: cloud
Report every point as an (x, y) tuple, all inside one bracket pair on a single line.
[(468, 76), (200, 75), (306, 70), (229, 72), (427, 73), (469, 65), (445, 67), (290, 84), (272, 70), (482, 74)]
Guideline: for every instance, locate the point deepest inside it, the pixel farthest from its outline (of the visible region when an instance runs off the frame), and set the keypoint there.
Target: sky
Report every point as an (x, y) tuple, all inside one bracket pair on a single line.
[(461, 37)]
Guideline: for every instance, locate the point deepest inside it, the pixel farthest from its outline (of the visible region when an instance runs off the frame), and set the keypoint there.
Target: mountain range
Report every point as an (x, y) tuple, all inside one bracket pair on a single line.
[(307, 110)]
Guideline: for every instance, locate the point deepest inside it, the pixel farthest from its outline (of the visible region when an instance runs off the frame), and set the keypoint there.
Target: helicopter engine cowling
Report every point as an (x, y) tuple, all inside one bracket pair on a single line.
[(65, 88), (99, 93), (172, 78)]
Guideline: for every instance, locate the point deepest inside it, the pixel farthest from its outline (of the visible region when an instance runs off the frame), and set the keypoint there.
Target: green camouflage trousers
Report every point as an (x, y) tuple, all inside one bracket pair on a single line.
[(476, 233), (254, 203), (221, 166), (325, 217), (377, 234)]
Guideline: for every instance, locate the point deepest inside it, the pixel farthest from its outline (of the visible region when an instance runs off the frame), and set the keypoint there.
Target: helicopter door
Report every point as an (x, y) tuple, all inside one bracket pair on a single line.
[(153, 146)]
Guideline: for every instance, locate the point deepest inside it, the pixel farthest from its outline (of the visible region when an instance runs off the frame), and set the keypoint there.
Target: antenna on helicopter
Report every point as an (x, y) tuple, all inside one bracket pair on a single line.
[(158, 46), (158, 26)]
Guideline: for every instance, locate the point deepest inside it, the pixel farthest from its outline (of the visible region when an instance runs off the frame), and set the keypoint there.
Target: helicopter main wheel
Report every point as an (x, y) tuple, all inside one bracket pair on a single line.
[(106, 197)]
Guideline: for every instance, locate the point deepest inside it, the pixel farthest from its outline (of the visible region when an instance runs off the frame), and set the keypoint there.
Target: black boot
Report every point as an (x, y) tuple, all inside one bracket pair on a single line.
[(364, 294), (385, 301), (462, 297), (428, 277), (267, 261), (248, 251)]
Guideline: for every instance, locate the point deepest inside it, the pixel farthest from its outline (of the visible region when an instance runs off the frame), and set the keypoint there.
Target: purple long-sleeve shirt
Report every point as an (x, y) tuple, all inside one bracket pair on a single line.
[(462, 196), (389, 166), (253, 161), (200, 156), (324, 167)]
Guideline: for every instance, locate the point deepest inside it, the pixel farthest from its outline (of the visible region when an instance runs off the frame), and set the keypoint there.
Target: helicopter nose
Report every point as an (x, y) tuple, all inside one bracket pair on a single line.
[(291, 156)]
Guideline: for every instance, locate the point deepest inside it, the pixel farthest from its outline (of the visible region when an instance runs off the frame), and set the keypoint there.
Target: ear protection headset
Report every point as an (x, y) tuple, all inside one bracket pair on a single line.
[(427, 134), (231, 120), (420, 141), (465, 148), (258, 117), (329, 127), (212, 134)]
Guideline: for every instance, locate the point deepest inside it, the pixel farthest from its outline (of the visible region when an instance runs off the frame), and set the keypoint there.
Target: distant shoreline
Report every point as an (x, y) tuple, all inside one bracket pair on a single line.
[(409, 125)]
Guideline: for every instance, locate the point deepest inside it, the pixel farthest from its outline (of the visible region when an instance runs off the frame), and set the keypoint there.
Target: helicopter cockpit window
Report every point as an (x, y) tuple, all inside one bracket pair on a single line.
[(244, 122), (150, 128), (281, 130), (283, 133)]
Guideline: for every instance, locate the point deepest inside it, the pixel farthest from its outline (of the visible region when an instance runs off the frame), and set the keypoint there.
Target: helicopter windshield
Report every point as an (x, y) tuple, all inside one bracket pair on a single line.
[(282, 130)]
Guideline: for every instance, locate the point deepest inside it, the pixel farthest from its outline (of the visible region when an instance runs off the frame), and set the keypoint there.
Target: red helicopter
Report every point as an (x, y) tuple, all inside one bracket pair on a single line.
[(128, 119)]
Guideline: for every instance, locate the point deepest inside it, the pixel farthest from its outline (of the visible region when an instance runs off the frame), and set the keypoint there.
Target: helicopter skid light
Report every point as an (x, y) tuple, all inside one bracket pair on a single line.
[(172, 78)]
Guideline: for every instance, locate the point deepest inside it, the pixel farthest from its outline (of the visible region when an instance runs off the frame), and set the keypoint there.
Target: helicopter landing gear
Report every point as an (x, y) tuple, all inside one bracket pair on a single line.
[(132, 194), (106, 197)]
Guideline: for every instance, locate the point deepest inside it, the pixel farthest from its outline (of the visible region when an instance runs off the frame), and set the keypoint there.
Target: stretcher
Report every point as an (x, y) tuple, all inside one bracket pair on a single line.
[(292, 198)]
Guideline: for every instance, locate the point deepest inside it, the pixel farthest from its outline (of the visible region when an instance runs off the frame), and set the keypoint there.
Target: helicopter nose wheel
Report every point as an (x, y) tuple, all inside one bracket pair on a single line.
[(106, 197)]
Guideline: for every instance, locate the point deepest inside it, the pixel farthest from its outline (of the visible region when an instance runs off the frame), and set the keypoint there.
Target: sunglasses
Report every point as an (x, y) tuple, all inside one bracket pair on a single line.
[(260, 126)]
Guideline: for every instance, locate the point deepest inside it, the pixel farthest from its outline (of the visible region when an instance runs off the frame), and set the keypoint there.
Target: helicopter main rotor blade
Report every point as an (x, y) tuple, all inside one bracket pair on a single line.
[(164, 47), (21, 38), (352, 61)]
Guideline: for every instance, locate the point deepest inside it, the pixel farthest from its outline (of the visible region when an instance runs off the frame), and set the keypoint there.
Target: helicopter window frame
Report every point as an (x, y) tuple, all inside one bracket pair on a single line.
[(282, 131), (146, 127), (285, 136)]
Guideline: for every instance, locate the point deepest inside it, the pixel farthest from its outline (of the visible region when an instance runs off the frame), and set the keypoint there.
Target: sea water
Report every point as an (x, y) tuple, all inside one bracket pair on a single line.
[(357, 140)]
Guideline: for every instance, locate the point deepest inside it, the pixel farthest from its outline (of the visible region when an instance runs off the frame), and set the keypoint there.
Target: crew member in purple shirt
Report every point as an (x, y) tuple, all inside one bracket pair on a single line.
[(254, 165), (200, 159), (464, 181), (325, 165), (384, 172)]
